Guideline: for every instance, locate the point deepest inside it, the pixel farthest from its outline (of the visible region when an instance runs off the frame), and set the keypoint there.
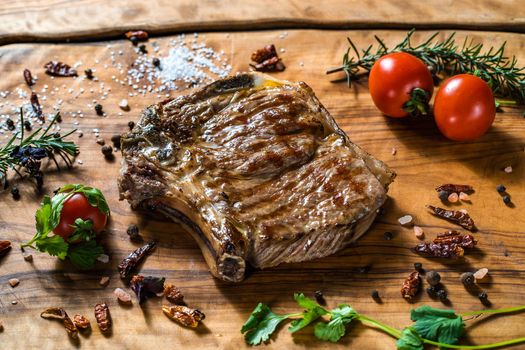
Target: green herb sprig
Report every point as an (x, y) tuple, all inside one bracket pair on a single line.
[(445, 58), (441, 328), (81, 247), (31, 149)]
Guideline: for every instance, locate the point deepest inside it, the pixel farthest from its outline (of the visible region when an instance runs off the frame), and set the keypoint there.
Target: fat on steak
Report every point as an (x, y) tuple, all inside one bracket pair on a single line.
[(256, 169)]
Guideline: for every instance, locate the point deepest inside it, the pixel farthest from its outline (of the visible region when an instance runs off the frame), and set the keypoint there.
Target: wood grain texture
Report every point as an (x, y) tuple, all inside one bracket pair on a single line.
[(58, 20), (423, 160)]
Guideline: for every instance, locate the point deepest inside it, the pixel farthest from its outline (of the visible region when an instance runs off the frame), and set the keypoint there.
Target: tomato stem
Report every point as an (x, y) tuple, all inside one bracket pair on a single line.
[(419, 102)]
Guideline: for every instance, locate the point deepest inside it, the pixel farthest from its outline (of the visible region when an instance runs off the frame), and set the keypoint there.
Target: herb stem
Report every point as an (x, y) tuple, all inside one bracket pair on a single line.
[(493, 312), (376, 324), (485, 346)]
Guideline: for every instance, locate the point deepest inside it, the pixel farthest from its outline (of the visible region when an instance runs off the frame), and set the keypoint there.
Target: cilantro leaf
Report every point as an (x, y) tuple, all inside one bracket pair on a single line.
[(261, 324), (42, 215), (93, 195), (409, 340), (85, 254), (313, 312), (53, 245), (336, 328), (439, 325), (83, 231)]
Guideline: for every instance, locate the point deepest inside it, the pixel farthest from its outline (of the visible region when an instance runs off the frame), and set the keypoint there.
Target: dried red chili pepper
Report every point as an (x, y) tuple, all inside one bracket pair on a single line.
[(5, 246), (60, 69), (450, 188), (173, 294), (459, 217), (184, 315), (103, 317), (411, 285), (81, 322), (59, 313), (267, 60), (35, 104), (139, 34), (261, 55), (128, 264), (147, 287), (28, 77), (446, 245)]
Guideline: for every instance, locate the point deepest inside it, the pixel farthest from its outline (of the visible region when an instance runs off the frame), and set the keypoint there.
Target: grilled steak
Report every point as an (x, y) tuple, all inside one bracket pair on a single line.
[(256, 169)]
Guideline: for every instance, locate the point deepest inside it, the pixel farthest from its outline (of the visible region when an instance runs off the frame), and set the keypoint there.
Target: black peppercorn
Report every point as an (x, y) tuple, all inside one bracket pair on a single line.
[(131, 125), (58, 118), (442, 294), (501, 188), (506, 199), (98, 109), (142, 48), (388, 235), (39, 177), (484, 298), (443, 195), (319, 297), (432, 291), (116, 140), (433, 278), (89, 73), (107, 151), (27, 125), (10, 124), (133, 233), (467, 278), (375, 295), (418, 267), (156, 62), (134, 40), (15, 193)]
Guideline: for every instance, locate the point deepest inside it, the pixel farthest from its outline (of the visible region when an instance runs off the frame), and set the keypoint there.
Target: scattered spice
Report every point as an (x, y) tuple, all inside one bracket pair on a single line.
[(501, 188), (28, 77), (388, 235), (419, 267), (27, 125), (103, 317), (131, 125), (13, 282), (98, 109), (89, 73), (5, 246), (124, 105), (433, 290), (35, 104), (450, 188), (81, 322), (481, 273), (115, 139), (142, 48), (138, 34), (484, 298), (319, 297), (104, 281), (59, 313), (147, 287), (508, 169), (406, 220), (453, 197), (467, 278), (1, 326), (101, 141), (418, 231), (455, 216), (184, 315), (156, 61), (173, 294), (107, 151), (375, 295), (267, 60), (122, 296), (129, 263), (28, 257), (446, 245), (10, 124), (442, 294), (59, 69), (506, 199), (411, 286), (133, 233), (394, 151), (433, 278), (14, 302), (15, 193)]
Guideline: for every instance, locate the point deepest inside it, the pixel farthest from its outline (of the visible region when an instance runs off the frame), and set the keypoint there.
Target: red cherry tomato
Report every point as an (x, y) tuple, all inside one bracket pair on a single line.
[(77, 206), (464, 107), (392, 79)]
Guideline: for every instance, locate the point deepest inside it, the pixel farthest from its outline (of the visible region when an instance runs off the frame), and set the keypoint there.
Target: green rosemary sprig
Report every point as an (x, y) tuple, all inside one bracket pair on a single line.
[(445, 58), (31, 149)]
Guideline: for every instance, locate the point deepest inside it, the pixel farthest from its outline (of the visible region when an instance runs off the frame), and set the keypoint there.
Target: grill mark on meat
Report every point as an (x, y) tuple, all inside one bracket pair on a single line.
[(257, 172)]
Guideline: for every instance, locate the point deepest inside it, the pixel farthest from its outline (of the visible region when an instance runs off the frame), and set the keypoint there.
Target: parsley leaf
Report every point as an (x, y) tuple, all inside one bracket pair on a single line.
[(93, 195), (83, 231), (84, 255), (409, 340), (261, 324), (336, 328), (54, 245), (439, 325), (313, 312)]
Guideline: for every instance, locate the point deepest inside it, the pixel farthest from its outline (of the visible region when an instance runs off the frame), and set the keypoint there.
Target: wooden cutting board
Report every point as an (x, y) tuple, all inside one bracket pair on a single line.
[(423, 160)]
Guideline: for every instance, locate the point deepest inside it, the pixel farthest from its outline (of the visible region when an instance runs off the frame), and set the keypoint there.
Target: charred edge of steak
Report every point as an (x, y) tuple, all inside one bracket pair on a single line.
[(229, 266), (231, 84)]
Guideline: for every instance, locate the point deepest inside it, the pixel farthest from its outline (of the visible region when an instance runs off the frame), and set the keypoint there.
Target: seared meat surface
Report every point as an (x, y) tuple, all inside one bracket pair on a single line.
[(256, 169)]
